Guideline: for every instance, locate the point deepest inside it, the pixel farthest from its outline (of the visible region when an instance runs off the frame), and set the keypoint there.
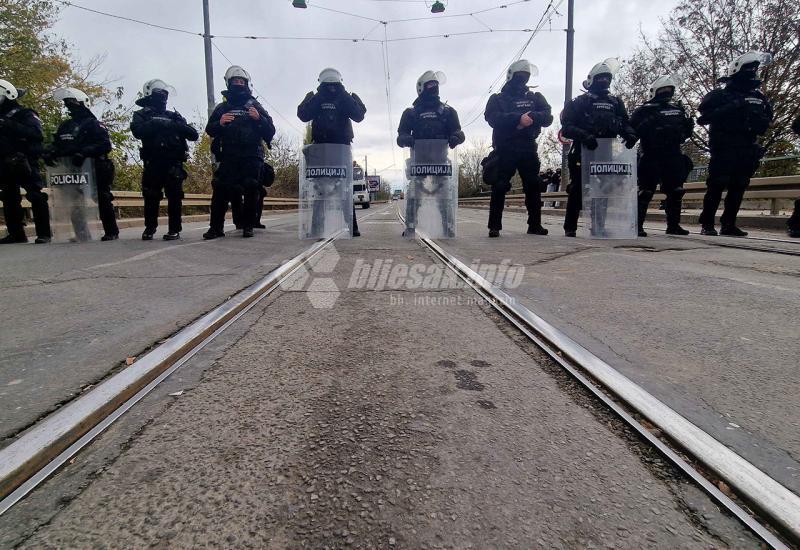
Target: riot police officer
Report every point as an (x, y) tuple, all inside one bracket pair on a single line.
[(82, 136), (241, 126), (736, 115), (428, 118), (164, 150), (592, 115), (332, 111), (662, 126), (793, 225), (517, 116), (20, 147)]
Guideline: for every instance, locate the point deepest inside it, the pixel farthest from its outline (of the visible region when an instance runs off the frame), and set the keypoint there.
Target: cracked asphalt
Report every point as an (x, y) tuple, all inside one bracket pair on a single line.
[(410, 419), (73, 313), (711, 331)]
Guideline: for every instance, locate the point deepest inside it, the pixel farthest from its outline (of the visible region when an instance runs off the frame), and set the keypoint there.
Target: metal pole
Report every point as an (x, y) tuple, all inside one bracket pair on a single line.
[(209, 58), (568, 84)]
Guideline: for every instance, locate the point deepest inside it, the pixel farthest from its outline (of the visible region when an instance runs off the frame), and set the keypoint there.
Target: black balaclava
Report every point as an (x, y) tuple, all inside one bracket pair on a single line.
[(330, 89), (158, 100), (519, 80), (747, 77), (601, 84), (430, 93), (663, 95), (75, 108), (238, 93)]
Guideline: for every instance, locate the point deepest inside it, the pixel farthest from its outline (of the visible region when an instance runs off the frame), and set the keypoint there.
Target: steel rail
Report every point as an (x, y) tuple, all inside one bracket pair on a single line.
[(40, 451), (738, 242), (778, 503)]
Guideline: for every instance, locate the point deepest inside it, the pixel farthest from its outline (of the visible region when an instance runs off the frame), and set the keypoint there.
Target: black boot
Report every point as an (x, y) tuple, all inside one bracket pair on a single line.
[(709, 230), (213, 234), (172, 236), (732, 231), (147, 235), (12, 239), (676, 230), (538, 230)]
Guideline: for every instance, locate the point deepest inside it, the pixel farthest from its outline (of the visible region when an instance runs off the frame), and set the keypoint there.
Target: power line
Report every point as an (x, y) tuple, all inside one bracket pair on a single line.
[(129, 19), (546, 16), (388, 77)]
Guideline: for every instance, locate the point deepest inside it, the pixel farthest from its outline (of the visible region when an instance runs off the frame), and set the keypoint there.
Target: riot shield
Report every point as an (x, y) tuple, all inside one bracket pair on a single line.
[(326, 190), (74, 214), (609, 190), (432, 194)]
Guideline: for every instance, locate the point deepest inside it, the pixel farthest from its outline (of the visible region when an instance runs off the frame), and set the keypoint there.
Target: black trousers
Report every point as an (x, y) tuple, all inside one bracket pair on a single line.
[(162, 178), (16, 175), (794, 221), (236, 177), (526, 162), (104, 172), (729, 169), (574, 190), (670, 170), (262, 194)]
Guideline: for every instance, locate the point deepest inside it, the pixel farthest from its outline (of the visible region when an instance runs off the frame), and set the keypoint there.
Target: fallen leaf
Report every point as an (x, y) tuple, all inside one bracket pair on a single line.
[(176, 394), (722, 486), (130, 360)]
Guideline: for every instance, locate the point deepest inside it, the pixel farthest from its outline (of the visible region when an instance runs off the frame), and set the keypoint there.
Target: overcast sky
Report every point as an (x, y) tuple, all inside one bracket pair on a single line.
[(283, 71)]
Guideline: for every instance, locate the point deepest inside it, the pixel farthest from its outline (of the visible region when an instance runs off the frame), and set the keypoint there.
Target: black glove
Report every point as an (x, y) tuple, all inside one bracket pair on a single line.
[(78, 159), (454, 141), (405, 140), (630, 140), (590, 142)]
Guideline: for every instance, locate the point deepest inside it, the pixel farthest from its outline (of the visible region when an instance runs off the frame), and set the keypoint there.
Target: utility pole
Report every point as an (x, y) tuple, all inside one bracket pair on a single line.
[(568, 83), (209, 58)]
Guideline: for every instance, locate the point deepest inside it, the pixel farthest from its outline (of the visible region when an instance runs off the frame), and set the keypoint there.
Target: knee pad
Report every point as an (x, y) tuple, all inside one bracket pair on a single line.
[(645, 195)]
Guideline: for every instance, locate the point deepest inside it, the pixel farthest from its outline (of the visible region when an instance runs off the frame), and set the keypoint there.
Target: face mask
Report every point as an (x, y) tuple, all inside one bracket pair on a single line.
[(238, 90), (431, 90), (520, 79), (601, 83), (74, 108), (664, 96), (2, 100), (330, 89), (158, 100)]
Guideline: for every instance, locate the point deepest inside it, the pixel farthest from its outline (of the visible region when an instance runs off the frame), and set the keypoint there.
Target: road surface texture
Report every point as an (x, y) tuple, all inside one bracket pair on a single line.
[(394, 419), (72, 313), (710, 331)]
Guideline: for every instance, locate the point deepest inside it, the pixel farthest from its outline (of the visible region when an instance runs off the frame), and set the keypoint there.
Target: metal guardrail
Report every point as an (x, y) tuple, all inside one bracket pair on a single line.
[(772, 189), (133, 199)]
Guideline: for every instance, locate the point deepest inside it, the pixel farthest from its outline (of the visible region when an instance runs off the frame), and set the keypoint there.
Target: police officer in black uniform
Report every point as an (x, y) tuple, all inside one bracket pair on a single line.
[(793, 225), (663, 125), (429, 118), (20, 147), (241, 126), (517, 116), (82, 136), (736, 115), (164, 150), (592, 115), (332, 111)]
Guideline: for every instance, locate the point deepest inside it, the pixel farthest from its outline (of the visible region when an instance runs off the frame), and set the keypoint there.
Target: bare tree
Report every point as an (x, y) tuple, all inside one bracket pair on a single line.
[(698, 40), (470, 172)]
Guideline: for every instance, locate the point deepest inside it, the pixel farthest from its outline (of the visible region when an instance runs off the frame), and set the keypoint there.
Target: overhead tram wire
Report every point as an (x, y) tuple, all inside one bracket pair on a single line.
[(546, 16), (388, 78), (516, 57), (301, 133)]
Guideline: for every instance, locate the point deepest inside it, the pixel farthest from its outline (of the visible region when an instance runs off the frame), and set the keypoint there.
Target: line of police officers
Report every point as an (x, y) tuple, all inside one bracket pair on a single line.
[(737, 115)]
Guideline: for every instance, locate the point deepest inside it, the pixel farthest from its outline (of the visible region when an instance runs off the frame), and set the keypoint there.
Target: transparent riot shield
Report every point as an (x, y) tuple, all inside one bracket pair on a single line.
[(432, 194), (74, 214), (609, 190), (326, 191)]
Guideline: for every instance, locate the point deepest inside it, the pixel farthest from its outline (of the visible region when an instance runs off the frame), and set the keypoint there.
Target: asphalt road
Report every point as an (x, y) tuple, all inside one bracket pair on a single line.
[(711, 331), (72, 313), (391, 419)]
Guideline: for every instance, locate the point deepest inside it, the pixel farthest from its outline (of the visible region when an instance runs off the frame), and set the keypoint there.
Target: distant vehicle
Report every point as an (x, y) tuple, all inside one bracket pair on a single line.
[(397, 195), (361, 195)]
